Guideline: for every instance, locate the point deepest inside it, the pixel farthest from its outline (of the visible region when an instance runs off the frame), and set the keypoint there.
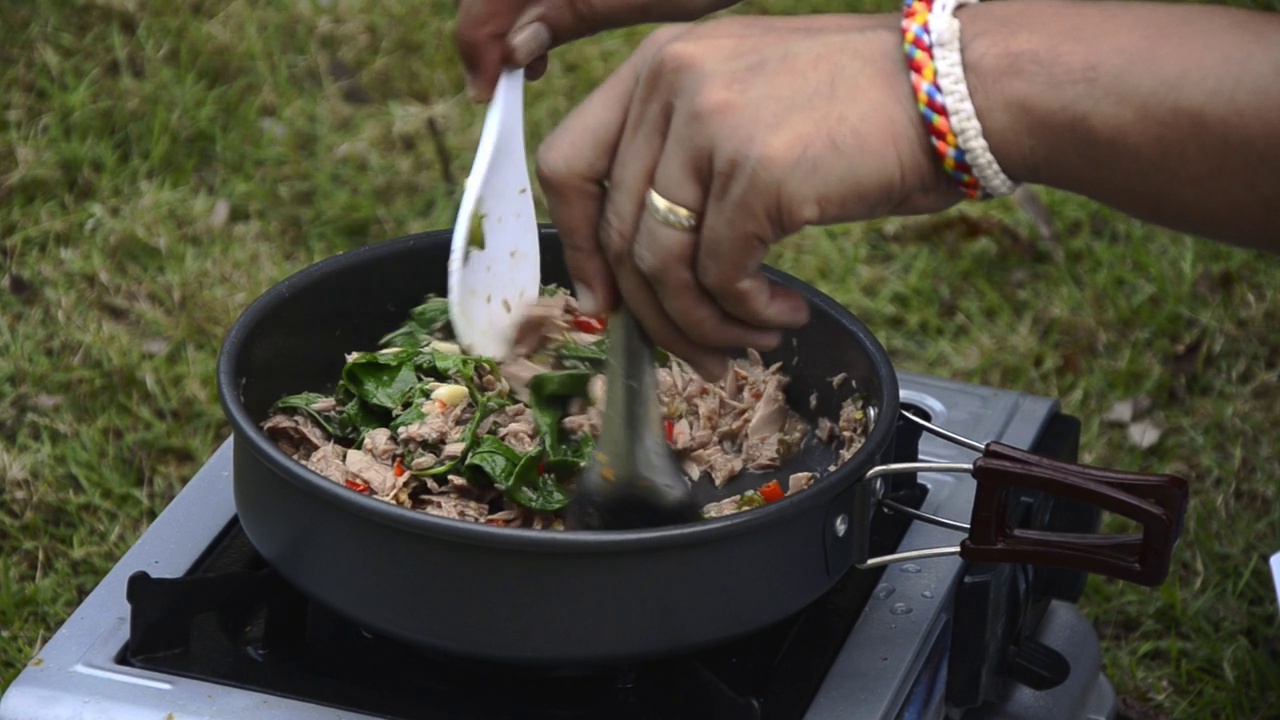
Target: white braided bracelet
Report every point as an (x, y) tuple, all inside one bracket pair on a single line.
[(944, 33)]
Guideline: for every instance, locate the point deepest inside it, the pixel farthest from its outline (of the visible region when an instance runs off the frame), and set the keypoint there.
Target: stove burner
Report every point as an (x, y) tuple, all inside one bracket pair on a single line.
[(232, 620), (222, 636)]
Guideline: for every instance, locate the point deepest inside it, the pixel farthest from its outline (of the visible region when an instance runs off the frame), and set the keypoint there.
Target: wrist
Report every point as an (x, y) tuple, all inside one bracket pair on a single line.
[(932, 43), (1000, 71)]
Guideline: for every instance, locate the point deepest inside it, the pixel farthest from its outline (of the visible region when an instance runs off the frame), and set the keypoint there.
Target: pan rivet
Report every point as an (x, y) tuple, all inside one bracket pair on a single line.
[(842, 525)]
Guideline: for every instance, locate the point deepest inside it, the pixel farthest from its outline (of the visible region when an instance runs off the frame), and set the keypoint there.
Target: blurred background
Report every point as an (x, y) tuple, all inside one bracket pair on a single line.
[(163, 163)]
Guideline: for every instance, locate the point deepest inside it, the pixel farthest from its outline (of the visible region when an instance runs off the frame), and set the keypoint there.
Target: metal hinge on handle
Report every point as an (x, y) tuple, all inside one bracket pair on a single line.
[(1156, 502)]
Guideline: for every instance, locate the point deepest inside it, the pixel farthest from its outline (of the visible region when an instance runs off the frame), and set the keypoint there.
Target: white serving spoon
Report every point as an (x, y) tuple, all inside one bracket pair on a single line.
[(494, 262)]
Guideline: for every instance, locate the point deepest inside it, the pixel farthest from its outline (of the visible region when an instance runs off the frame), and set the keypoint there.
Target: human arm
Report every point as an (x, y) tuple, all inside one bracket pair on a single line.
[(1168, 112), (1150, 108)]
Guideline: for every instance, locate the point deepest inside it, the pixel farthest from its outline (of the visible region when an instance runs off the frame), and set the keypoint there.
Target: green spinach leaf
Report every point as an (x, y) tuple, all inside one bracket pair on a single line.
[(582, 357), (425, 322), (549, 392), (383, 379), (520, 476), (303, 402)]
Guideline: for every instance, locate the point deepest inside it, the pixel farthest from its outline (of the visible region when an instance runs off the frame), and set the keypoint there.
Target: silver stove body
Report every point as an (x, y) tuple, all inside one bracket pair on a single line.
[(888, 668)]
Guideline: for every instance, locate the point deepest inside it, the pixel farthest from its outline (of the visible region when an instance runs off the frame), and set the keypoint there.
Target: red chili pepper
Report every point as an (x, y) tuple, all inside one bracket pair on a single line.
[(542, 468), (590, 324), (398, 468), (772, 491), (670, 429), (358, 486)]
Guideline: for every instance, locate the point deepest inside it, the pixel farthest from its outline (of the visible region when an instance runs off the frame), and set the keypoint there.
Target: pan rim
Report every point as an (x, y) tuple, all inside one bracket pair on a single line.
[(248, 436)]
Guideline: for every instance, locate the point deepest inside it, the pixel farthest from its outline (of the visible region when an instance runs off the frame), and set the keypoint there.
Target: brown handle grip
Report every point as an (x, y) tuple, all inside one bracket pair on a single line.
[(1156, 502)]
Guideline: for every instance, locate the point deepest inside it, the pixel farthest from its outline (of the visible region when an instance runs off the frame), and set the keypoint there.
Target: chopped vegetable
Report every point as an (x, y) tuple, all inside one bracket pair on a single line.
[(590, 324), (772, 491), (422, 424)]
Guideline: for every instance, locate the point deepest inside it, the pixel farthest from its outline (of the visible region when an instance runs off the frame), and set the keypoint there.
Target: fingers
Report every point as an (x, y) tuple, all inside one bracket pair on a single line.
[(667, 257), (481, 37), (536, 69), (573, 163), (736, 235), (518, 33), (632, 171)]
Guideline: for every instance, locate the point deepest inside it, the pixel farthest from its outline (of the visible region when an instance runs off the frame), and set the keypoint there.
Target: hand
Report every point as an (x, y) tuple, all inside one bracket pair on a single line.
[(760, 125), (492, 34)]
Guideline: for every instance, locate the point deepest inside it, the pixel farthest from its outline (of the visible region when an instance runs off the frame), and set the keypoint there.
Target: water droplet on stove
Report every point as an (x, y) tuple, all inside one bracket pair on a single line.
[(625, 680), (900, 609), (893, 626), (927, 594), (910, 568), (884, 591)]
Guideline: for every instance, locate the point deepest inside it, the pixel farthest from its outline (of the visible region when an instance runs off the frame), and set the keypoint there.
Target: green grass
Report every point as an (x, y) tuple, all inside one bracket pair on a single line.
[(160, 168)]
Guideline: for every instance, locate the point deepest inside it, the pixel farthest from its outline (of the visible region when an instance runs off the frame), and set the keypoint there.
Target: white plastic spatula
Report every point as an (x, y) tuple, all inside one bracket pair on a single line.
[(494, 266)]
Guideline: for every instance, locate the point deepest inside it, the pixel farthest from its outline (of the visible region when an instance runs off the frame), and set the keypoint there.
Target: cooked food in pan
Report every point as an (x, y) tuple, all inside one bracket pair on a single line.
[(421, 424)]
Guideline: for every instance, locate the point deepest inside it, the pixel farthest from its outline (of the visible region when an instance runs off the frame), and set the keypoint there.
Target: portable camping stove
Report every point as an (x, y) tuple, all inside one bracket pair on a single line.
[(192, 624)]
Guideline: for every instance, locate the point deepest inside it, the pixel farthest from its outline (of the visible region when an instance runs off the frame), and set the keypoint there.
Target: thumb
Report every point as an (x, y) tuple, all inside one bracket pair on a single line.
[(483, 27)]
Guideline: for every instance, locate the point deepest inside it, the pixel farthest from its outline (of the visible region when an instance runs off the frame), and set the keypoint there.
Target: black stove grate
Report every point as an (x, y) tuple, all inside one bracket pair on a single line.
[(231, 620)]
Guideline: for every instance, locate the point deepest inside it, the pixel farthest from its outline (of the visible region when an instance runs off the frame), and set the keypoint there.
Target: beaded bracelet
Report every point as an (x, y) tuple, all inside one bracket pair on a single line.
[(931, 41)]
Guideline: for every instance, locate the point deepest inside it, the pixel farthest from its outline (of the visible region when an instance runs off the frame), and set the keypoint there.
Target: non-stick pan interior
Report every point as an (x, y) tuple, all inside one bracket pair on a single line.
[(297, 341)]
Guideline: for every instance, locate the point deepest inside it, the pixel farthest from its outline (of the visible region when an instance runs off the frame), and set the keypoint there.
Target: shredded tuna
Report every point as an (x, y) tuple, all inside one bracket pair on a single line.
[(297, 435), (721, 508), (328, 461), (717, 431), (540, 322), (518, 372), (364, 468), (799, 481), (451, 506), (381, 445)]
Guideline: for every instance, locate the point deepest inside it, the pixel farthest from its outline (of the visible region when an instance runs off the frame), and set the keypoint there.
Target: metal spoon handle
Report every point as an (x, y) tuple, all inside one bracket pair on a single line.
[(633, 480), (629, 429)]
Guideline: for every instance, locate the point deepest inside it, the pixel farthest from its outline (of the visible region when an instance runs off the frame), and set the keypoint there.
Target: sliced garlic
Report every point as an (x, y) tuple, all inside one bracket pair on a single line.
[(450, 394)]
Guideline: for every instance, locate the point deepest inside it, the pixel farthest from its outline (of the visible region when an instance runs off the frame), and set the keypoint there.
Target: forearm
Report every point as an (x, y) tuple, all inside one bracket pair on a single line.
[(1168, 112)]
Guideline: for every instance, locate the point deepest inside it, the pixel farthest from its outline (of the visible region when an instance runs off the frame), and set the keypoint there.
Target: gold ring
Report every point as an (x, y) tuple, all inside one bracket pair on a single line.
[(669, 213)]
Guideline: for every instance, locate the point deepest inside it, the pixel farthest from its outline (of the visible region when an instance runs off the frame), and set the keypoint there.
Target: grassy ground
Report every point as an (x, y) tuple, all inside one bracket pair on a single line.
[(163, 163)]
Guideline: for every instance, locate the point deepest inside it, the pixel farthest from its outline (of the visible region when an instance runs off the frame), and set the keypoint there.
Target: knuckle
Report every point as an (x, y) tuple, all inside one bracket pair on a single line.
[(614, 240), (661, 36), (552, 162), (646, 260), (680, 59), (715, 278), (710, 104), (801, 212)]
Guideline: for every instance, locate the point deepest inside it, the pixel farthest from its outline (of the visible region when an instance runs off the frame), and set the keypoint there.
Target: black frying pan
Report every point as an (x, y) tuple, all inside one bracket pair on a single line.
[(543, 597)]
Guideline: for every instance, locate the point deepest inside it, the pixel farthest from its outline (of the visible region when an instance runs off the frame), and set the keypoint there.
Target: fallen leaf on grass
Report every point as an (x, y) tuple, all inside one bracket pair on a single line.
[(346, 78), (154, 346), (19, 286), (1128, 708), (1144, 433), (1033, 207), (1127, 410), (46, 402), (221, 213), (1186, 359), (273, 127)]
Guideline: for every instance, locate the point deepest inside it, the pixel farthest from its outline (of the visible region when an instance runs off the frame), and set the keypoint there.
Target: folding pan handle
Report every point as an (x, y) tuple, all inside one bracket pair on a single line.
[(1156, 502)]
